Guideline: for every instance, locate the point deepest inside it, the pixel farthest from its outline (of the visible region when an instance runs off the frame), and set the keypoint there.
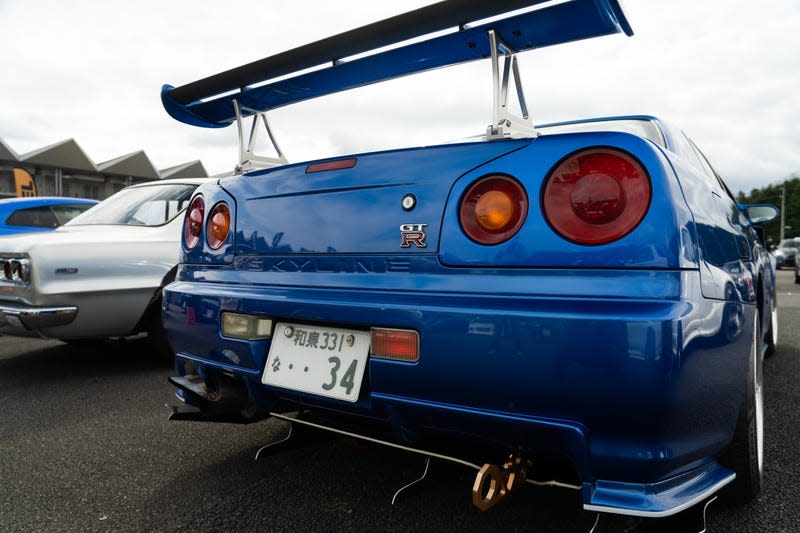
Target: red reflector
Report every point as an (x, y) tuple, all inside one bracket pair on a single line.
[(399, 344), (331, 165)]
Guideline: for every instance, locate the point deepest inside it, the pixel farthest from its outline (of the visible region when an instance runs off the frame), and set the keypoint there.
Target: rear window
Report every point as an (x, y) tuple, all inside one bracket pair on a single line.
[(33, 217), (152, 205), (642, 128)]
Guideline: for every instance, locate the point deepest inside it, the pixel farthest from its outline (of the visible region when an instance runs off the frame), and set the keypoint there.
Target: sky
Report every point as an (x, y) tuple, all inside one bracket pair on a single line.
[(725, 71)]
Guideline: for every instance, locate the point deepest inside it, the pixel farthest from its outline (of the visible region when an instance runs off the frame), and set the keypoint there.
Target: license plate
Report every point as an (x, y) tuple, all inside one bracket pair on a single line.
[(324, 361)]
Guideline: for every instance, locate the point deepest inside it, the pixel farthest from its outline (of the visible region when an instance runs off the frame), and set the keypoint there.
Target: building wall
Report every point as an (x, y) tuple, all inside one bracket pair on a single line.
[(73, 184)]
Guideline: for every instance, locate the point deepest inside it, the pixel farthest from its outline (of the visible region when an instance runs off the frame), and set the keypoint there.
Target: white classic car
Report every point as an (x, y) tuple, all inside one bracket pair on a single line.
[(101, 274)]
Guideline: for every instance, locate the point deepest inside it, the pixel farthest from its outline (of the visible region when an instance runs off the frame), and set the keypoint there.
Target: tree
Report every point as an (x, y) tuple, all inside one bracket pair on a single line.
[(771, 194)]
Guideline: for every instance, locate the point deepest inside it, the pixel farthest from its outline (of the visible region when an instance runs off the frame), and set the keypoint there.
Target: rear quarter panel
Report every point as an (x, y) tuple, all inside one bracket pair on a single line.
[(664, 238)]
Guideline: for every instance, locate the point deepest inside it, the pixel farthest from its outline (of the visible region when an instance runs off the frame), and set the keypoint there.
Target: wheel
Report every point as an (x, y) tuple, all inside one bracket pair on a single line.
[(771, 338), (746, 453), (796, 276)]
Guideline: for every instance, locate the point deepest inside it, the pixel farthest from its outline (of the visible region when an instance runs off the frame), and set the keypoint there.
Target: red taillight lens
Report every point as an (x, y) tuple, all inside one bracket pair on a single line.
[(219, 224), (493, 209), (402, 344), (596, 196), (193, 223)]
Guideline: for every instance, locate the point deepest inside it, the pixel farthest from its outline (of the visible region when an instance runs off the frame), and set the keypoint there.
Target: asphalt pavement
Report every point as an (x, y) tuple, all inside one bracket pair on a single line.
[(85, 445)]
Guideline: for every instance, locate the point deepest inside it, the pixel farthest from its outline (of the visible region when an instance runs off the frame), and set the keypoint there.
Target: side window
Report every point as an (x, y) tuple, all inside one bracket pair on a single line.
[(37, 217), (700, 161), (707, 168), (737, 217), (704, 163)]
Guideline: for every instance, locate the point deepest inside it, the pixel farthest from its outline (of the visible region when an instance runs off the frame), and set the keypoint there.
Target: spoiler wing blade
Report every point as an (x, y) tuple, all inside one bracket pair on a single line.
[(205, 102)]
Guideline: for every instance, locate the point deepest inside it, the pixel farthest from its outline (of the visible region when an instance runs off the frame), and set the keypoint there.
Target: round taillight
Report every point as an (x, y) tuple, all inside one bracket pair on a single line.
[(193, 223), (219, 224), (493, 209), (596, 196)]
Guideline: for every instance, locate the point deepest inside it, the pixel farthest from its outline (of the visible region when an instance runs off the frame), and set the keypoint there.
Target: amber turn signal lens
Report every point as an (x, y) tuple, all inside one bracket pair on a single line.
[(219, 224), (193, 223), (493, 209), (400, 344)]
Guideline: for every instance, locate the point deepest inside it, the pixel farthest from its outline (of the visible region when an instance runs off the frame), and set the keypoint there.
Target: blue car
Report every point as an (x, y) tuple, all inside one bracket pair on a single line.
[(43, 213), (583, 298)]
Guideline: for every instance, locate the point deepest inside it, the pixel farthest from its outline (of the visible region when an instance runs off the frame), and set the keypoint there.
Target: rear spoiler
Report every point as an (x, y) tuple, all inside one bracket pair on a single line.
[(254, 88)]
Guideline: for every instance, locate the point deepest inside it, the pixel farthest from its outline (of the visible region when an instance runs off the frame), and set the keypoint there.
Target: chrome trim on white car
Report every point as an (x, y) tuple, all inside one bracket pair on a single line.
[(36, 318)]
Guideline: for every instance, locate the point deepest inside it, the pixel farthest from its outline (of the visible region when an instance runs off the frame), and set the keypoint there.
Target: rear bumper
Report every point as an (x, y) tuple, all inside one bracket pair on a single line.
[(626, 377), (20, 318)]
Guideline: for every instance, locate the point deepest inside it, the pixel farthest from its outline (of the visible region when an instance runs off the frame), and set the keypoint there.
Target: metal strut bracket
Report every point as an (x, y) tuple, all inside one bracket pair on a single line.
[(507, 124), (248, 159)]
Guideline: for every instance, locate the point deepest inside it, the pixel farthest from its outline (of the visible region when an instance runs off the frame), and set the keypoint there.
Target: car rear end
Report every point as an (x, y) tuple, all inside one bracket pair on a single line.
[(535, 296)]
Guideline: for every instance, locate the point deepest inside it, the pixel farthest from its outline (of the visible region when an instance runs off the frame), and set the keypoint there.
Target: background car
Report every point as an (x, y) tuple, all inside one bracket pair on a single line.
[(796, 263), (100, 275), (785, 253), (584, 300), (42, 213)]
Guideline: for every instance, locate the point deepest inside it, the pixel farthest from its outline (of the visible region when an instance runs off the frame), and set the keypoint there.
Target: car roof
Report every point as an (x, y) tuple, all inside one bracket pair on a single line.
[(45, 200), (9, 205), (655, 132), (185, 181)]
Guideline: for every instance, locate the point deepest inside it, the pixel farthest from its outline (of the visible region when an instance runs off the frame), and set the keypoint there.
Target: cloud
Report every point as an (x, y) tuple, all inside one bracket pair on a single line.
[(724, 71)]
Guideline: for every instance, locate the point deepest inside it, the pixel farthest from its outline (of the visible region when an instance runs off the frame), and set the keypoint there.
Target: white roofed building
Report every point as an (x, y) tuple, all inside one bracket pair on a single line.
[(64, 169)]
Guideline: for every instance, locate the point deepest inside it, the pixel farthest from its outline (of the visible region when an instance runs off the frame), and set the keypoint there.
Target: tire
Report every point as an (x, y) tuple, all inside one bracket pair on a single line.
[(154, 324), (746, 453), (157, 336), (796, 277), (771, 338)]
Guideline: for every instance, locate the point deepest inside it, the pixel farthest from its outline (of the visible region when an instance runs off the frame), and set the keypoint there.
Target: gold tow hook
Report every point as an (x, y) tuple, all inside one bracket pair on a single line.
[(493, 482)]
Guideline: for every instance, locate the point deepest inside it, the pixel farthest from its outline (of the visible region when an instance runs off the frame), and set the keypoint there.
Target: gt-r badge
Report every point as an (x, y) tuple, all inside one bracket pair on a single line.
[(412, 234)]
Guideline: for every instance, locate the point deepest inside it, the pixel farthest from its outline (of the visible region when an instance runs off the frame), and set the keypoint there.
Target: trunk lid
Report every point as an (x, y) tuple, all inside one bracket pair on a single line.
[(356, 210)]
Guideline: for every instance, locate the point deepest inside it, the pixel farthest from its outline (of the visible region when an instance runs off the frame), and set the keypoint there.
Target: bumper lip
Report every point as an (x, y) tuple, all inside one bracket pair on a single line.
[(36, 318), (658, 500)]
